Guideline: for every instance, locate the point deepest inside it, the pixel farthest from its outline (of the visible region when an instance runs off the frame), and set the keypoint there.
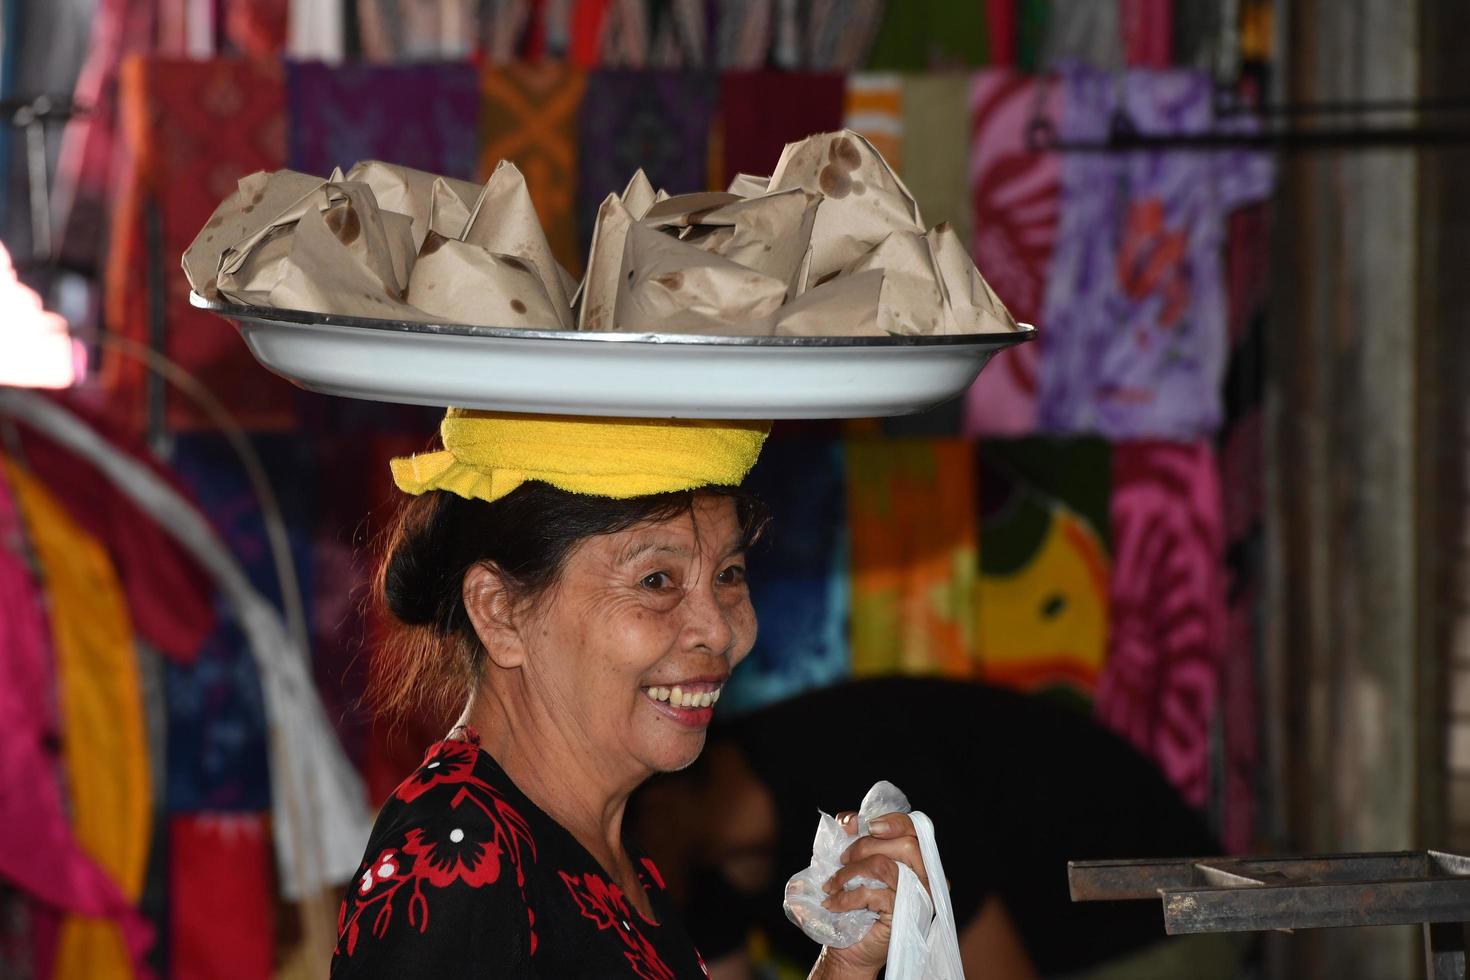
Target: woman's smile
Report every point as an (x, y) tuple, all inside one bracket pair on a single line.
[(690, 703)]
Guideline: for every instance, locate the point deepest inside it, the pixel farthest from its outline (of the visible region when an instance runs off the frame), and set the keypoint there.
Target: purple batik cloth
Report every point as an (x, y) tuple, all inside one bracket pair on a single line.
[(423, 116), (657, 120), (1135, 339)]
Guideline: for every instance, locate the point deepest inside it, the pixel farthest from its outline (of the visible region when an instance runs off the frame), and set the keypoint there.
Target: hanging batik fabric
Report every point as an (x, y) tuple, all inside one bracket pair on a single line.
[(529, 117), (1135, 337), (104, 741), (936, 168), (874, 109), (1043, 593), (1016, 195), (658, 121), (1161, 685), (421, 116), (320, 814), (194, 129), (39, 851), (911, 515)]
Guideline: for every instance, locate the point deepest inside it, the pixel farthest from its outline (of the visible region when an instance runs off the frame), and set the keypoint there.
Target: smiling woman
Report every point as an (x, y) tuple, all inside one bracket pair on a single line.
[(578, 587)]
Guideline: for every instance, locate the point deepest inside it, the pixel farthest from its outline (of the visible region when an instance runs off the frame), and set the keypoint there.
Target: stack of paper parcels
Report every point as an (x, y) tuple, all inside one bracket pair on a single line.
[(831, 244)]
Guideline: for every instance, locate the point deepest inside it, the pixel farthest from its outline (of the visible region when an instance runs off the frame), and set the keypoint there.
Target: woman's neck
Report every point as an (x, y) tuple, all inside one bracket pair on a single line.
[(562, 778)]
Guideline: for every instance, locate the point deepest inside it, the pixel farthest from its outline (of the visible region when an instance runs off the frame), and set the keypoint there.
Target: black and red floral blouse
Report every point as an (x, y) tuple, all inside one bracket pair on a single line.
[(466, 877)]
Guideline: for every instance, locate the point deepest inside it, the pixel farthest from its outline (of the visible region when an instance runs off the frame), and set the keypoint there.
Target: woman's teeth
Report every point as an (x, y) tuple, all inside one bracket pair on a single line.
[(680, 698)]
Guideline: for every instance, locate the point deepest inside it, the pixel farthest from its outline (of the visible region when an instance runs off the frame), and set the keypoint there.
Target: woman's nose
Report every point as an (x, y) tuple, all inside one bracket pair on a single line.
[(708, 623)]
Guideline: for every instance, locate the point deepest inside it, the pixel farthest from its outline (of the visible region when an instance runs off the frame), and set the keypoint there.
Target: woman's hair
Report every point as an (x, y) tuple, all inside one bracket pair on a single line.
[(433, 656)]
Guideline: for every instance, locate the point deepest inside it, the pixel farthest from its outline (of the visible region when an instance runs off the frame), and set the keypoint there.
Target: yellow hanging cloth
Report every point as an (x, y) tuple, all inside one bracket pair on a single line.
[(486, 455), (104, 745)]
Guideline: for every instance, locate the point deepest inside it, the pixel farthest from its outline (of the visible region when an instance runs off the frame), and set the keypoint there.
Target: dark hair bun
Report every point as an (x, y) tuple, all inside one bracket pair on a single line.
[(413, 571)]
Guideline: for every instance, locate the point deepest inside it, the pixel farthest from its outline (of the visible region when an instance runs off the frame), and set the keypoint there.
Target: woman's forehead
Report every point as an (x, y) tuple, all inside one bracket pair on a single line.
[(707, 529)]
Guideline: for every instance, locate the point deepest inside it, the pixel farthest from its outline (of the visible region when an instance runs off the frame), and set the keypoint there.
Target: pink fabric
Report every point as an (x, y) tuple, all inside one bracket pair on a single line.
[(1148, 32), (1160, 686), (37, 851), (1016, 195)]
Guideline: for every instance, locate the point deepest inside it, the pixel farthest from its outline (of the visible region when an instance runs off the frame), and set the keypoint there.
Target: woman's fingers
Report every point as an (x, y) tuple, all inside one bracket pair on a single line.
[(879, 867), (848, 820), (893, 844), (880, 900), (892, 825)]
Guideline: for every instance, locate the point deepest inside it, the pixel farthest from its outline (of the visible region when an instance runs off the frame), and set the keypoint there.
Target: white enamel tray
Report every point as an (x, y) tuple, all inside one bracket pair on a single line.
[(612, 374)]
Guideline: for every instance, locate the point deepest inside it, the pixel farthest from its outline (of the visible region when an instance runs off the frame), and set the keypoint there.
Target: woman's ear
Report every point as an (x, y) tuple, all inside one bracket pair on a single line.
[(490, 605)]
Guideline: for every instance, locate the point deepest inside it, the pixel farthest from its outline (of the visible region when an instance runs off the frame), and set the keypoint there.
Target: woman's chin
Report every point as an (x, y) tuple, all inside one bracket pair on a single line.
[(673, 754)]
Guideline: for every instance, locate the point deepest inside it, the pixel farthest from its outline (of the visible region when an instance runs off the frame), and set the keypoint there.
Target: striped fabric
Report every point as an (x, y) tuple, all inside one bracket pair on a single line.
[(874, 108)]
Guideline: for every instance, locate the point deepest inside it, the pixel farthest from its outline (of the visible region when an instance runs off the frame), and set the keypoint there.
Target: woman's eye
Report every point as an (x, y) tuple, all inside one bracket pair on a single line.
[(734, 575), (658, 580)]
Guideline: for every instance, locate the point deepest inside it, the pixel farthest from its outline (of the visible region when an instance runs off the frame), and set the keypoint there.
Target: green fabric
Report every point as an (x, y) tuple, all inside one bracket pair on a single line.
[(1031, 27), (936, 139), (917, 35)]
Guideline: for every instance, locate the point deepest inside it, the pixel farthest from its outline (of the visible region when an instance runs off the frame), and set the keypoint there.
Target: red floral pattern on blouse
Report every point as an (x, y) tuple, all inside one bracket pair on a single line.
[(444, 853), (604, 903)]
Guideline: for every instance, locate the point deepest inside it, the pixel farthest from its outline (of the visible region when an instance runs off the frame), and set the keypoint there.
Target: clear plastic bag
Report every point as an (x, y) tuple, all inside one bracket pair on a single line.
[(924, 944)]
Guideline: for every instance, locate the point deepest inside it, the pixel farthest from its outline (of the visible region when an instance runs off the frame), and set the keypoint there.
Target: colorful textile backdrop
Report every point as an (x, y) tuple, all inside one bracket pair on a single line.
[(423, 116), (936, 167), (659, 121), (1016, 196), (104, 741), (911, 513), (758, 117), (218, 726), (170, 599), (874, 108), (529, 116), (1161, 685), (194, 128), (1135, 336), (799, 576), (39, 852), (1043, 592)]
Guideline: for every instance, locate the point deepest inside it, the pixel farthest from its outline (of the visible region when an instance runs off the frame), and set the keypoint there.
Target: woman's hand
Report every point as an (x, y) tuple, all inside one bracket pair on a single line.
[(891, 841)]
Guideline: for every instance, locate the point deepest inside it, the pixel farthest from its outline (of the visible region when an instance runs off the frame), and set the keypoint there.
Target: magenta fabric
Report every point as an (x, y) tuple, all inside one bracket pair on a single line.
[(1161, 683), (1135, 337), (37, 851), (1016, 196)]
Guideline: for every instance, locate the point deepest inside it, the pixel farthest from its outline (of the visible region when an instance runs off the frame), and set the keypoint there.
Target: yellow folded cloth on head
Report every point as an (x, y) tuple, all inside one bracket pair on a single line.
[(486, 455)]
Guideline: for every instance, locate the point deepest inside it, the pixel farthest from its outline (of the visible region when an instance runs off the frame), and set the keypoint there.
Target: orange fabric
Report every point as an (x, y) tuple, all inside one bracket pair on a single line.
[(529, 117), (911, 512), (874, 108), (104, 743)]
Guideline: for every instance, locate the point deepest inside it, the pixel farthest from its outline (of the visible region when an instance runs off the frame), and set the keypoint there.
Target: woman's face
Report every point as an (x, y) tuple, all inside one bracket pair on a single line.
[(634, 643)]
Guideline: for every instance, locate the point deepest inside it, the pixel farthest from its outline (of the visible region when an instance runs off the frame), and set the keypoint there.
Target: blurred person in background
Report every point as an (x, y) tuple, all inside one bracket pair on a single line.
[(1017, 785)]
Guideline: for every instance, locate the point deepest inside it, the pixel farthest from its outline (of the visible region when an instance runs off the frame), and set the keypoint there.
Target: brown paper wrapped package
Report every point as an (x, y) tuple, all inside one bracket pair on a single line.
[(831, 244)]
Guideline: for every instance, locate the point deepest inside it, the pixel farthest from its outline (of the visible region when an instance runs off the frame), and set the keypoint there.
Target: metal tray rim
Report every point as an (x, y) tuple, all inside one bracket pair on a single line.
[(235, 311)]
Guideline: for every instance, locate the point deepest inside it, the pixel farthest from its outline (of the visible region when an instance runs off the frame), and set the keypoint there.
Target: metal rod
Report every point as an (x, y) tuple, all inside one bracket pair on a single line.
[(1228, 106), (1282, 141)]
